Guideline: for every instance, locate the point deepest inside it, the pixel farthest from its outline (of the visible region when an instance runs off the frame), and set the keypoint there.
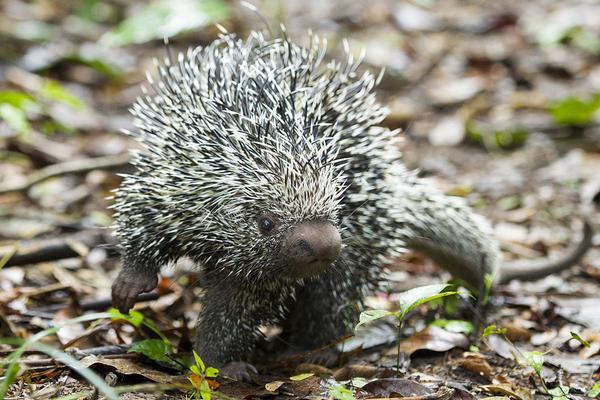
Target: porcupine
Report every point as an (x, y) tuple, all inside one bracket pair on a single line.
[(267, 167)]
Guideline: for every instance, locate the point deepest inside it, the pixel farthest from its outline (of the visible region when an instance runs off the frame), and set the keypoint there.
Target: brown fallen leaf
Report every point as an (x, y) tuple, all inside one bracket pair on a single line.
[(476, 363), (355, 371), (396, 387), (508, 390), (128, 367), (516, 333), (435, 339)]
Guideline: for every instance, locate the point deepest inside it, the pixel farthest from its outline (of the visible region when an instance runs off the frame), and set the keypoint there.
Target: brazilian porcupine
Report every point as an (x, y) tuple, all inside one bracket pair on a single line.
[(267, 168)]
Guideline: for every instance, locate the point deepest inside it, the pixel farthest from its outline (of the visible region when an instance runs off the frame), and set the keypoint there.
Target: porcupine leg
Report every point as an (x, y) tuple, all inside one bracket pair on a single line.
[(227, 331), (324, 311)]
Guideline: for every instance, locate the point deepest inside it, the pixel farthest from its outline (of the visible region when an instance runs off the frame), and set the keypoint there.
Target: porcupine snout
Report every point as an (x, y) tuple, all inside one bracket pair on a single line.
[(310, 248)]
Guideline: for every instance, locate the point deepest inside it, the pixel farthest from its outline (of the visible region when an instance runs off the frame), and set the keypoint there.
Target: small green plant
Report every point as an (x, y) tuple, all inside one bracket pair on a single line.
[(595, 390), (574, 111), (202, 378), (584, 343), (455, 325), (535, 359), (163, 19), (339, 391), (17, 107), (138, 320), (408, 301)]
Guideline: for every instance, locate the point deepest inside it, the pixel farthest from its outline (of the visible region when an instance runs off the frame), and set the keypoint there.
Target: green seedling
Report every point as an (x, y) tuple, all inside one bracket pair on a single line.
[(535, 359), (202, 378), (408, 301)]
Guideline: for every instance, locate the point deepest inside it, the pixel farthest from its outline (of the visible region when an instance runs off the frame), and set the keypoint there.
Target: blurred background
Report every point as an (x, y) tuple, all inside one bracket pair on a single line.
[(497, 102)]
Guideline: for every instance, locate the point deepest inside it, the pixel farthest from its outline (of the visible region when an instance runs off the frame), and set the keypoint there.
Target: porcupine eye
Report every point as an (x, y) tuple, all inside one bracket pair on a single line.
[(267, 224)]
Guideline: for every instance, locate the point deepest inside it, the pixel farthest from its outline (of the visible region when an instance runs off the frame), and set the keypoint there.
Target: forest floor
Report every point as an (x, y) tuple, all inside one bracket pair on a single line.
[(497, 102)]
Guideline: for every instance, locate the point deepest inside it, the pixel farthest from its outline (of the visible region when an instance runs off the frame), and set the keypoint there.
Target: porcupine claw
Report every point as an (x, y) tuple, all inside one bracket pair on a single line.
[(128, 285), (239, 371)]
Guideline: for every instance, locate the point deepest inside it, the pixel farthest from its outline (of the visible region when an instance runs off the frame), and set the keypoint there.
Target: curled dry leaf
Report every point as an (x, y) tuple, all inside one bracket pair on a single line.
[(434, 339), (478, 365), (511, 391), (274, 386)]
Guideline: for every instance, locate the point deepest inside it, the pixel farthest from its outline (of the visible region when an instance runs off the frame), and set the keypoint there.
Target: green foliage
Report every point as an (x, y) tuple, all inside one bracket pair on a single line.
[(340, 392), (595, 390), (493, 330), (559, 392), (408, 301), (509, 202), (163, 18), (535, 360), (109, 70), (16, 108), (496, 139), (53, 91), (154, 349), (198, 378), (571, 34), (11, 363), (574, 111), (581, 340), (455, 325), (138, 320)]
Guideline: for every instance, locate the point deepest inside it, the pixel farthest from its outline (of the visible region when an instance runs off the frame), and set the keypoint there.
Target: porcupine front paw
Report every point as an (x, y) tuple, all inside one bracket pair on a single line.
[(239, 371), (128, 285)]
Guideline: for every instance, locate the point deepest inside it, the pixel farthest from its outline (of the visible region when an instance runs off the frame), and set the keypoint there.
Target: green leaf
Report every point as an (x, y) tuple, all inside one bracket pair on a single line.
[(53, 90), (581, 340), (413, 298), (493, 330), (135, 318), (212, 372), (195, 370), (574, 111), (21, 100), (154, 349), (15, 118), (595, 390), (301, 377), (535, 360), (371, 315), (559, 392), (455, 325), (165, 18), (199, 361), (504, 139), (103, 67), (509, 202), (205, 390), (340, 392)]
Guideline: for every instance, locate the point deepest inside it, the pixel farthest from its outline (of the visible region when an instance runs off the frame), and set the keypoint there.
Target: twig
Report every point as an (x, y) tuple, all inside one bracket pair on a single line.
[(38, 251), (68, 167), (92, 305)]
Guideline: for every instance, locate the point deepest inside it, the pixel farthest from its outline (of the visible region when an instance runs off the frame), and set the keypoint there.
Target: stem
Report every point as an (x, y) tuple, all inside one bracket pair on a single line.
[(400, 323)]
